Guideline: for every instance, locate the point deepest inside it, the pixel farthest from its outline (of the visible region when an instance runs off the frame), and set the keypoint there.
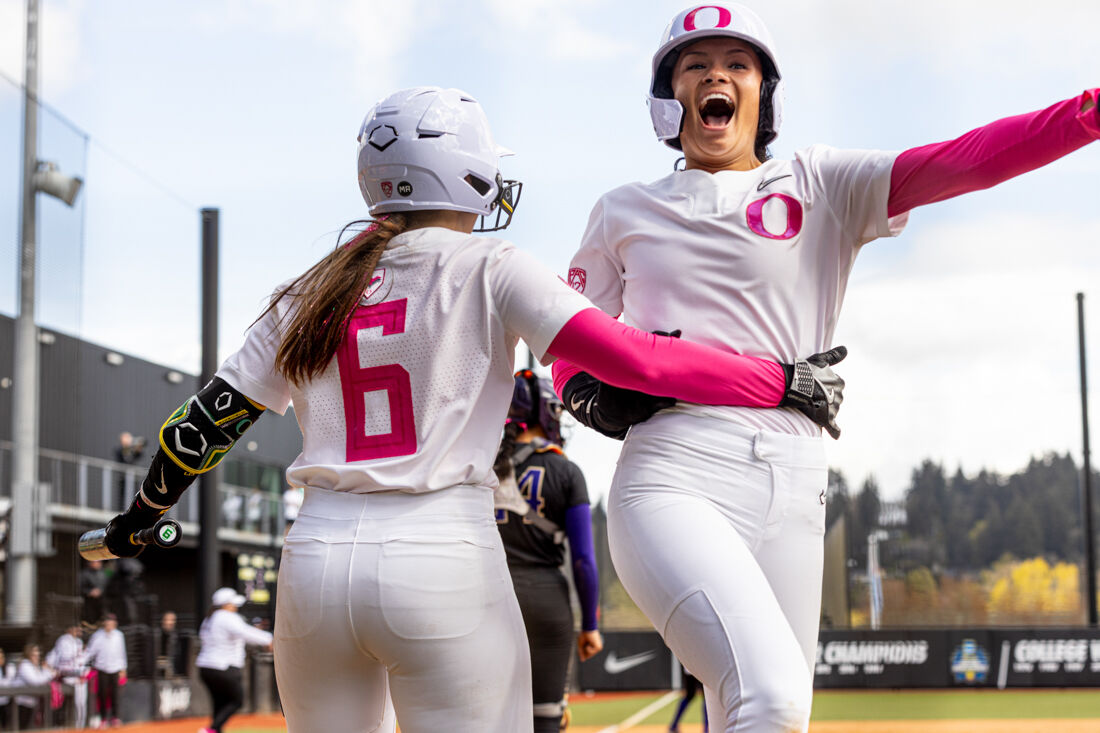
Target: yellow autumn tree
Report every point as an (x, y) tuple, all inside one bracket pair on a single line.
[(1032, 591)]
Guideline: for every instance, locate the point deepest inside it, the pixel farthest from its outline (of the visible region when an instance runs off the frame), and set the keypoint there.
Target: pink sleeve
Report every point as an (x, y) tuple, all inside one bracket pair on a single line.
[(660, 365), (991, 154)]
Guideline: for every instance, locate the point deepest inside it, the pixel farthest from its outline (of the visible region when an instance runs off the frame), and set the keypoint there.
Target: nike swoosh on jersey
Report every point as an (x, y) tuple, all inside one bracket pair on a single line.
[(768, 181), (576, 403), (614, 665)]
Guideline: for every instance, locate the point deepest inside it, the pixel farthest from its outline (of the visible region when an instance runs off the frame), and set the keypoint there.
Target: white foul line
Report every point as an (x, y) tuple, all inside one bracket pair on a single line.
[(643, 713)]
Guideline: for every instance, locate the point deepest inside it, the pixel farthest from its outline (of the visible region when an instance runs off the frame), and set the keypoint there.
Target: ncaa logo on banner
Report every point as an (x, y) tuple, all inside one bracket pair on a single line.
[(578, 278), (970, 663), (387, 189), (707, 16)]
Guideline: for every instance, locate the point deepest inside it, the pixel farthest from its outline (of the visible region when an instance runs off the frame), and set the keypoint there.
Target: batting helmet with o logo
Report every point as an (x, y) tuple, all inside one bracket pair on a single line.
[(707, 21)]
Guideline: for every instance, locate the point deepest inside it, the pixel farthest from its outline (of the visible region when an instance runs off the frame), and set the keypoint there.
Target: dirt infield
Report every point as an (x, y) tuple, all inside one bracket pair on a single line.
[(907, 726), (276, 723)]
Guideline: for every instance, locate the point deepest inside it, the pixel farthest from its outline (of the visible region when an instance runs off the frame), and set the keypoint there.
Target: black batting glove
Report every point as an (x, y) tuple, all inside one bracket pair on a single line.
[(139, 515), (611, 410), (117, 540), (815, 390)]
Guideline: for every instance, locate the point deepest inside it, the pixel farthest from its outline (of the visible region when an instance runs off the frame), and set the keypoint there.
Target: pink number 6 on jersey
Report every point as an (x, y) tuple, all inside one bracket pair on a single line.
[(357, 381)]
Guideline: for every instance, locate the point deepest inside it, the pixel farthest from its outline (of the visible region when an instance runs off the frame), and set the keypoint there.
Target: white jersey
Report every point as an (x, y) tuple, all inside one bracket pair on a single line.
[(224, 635), (417, 395), (754, 262)]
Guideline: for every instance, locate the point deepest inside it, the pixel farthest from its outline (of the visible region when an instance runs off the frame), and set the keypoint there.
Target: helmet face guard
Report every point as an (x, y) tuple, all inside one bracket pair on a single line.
[(708, 21), (504, 206), (431, 148)]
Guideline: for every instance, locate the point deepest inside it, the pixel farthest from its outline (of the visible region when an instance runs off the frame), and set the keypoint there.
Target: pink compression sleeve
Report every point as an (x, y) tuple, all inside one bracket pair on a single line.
[(991, 154), (660, 365)]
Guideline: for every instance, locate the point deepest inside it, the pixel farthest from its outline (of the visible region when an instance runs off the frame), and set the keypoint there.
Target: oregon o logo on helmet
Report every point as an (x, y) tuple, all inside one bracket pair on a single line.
[(404, 188), (754, 216), (724, 17)]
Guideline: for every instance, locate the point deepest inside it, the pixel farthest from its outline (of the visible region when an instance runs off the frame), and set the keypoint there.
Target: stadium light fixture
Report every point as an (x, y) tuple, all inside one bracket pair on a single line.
[(49, 179)]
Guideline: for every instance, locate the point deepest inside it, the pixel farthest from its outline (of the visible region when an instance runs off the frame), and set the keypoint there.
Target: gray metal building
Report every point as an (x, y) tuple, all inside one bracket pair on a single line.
[(89, 396)]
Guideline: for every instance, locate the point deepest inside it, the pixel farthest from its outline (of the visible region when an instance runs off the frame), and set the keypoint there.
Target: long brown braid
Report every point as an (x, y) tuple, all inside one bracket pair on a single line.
[(325, 296)]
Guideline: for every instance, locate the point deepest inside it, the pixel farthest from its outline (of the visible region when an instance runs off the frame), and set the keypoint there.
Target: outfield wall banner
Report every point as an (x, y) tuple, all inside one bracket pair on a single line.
[(958, 658), (630, 660)]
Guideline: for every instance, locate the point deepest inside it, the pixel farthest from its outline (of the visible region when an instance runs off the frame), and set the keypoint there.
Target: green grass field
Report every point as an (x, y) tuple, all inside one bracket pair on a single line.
[(884, 705), (1080, 709)]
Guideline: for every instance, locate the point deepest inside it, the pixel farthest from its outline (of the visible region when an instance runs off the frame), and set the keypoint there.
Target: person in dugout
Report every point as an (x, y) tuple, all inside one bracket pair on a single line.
[(542, 502)]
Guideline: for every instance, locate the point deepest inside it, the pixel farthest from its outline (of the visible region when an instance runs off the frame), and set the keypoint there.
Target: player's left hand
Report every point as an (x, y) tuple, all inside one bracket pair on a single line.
[(815, 390), (589, 644)]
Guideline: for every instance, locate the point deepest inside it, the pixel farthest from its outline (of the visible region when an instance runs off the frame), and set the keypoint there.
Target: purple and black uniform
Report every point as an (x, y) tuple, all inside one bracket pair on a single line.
[(555, 488)]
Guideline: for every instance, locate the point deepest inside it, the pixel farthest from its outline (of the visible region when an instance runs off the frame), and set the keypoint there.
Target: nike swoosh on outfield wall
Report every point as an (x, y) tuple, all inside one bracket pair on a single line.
[(613, 665), (768, 181)]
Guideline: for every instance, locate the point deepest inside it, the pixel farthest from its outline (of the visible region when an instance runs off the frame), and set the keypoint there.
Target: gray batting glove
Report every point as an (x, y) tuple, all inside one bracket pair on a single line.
[(815, 390)]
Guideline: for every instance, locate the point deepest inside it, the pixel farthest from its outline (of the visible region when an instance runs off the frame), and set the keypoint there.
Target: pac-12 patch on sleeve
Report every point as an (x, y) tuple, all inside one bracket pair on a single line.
[(577, 278)]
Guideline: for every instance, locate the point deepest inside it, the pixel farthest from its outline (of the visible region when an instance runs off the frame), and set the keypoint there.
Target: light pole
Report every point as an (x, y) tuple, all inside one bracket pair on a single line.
[(37, 176), (1086, 483), (874, 575)]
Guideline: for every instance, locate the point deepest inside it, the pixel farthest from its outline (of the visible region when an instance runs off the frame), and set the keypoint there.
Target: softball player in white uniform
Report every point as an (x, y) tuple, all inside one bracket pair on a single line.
[(716, 514), (397, 352)]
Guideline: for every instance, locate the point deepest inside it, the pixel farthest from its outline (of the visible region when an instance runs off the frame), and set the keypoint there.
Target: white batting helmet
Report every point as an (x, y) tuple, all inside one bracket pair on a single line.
[(707, 21), (431, 148)]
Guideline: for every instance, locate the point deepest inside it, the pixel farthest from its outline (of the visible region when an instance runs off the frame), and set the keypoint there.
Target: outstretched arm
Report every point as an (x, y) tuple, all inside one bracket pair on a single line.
[(992, 154), (193, 440)]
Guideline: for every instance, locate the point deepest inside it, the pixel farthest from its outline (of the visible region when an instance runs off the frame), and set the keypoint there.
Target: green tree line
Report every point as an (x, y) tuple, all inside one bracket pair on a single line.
[(959, 523)]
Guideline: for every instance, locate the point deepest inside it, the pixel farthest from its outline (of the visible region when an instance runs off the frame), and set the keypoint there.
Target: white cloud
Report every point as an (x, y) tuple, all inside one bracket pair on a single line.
[(965, 349), (374, 35), (565, 30)]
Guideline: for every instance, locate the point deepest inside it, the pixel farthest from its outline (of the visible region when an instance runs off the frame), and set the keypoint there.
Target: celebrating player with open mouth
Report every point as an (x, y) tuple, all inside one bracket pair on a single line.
[(397, 352), (716, 515)]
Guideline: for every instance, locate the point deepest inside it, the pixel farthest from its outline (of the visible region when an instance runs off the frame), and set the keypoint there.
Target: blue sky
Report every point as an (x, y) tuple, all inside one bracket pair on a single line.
[(962, 331)]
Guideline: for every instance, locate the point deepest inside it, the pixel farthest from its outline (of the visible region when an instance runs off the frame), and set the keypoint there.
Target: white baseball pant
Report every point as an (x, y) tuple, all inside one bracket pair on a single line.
[(402, 597), (716, 531)]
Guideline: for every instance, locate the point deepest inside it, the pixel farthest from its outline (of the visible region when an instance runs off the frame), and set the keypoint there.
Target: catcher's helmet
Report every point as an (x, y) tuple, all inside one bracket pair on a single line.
[(431, 148), (707, 21), (534, 403)]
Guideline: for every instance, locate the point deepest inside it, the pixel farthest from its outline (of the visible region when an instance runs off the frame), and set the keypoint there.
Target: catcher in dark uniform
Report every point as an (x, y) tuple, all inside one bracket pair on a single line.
[(541, 504)]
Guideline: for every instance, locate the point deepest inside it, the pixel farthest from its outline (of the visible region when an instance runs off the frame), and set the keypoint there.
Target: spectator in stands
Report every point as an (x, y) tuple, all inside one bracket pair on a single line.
[(224, 634), (170, 658), (254, 510), (67, 657), (32, 672), (232, 509), (126, 590), (128, 451), (7, 679), (93, 584), (292, 502), (107, 656)]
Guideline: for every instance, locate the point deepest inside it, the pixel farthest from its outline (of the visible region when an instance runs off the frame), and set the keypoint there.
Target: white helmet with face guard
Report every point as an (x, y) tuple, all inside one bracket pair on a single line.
[(708, 21), (431, 148)]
